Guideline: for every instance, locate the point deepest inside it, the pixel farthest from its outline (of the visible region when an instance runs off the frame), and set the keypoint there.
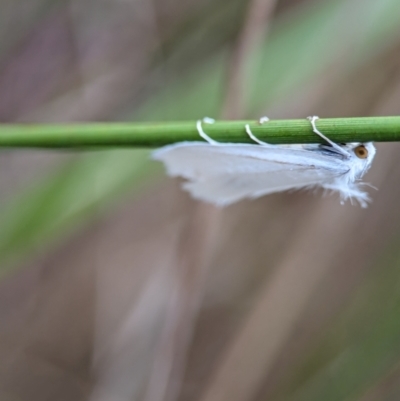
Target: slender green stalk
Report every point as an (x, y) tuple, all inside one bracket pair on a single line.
[(94, 135)]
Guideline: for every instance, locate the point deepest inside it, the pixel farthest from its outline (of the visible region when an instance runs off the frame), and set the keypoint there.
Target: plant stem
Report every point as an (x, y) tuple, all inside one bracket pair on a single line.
[(94, 135)]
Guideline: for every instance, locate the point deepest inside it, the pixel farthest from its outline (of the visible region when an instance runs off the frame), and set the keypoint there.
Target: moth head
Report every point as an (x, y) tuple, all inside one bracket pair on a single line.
[(362, 156)]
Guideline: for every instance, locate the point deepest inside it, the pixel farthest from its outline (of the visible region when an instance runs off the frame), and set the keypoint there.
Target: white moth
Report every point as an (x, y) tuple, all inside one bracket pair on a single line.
[(224, 173)]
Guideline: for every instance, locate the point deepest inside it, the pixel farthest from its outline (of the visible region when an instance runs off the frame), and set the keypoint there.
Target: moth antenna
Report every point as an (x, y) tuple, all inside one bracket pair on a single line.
[(312, 120), (254, 138), (203, 134)]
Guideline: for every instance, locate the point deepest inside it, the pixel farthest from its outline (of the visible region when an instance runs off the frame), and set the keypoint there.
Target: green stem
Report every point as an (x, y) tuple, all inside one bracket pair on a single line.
[(94, 135)]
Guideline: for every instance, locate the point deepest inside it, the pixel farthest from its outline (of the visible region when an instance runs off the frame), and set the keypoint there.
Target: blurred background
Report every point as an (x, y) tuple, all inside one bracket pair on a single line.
[(115, 285)]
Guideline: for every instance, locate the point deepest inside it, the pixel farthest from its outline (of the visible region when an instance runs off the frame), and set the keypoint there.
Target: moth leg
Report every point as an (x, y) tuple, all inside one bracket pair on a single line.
[(312, 120), (201, 132), (253, 137), (208, 120)]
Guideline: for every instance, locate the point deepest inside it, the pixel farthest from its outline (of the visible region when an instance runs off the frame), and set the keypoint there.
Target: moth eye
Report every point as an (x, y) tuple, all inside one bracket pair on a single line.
[(361, 152)]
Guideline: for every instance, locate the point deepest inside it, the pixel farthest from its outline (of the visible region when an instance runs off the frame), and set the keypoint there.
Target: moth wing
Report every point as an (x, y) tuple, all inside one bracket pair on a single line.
[(228, 173), (199, 160), (226, 189)]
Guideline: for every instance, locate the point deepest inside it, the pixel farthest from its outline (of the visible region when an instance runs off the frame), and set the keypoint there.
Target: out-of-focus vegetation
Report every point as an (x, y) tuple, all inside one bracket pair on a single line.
[(116, 285)]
